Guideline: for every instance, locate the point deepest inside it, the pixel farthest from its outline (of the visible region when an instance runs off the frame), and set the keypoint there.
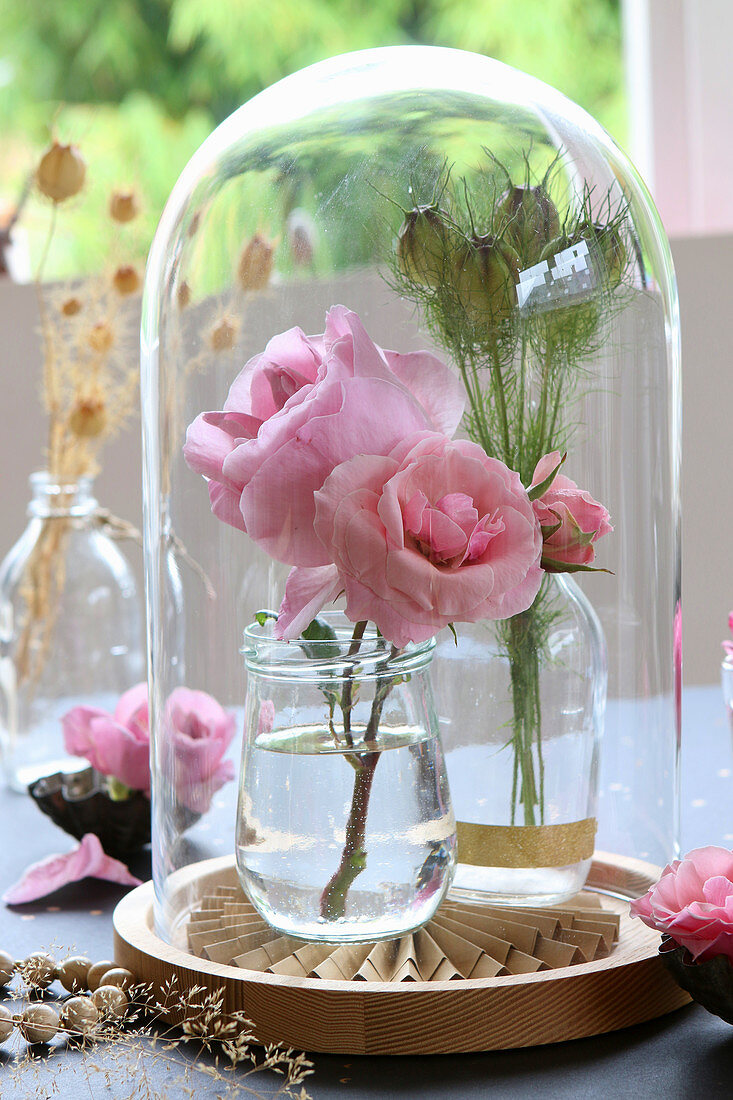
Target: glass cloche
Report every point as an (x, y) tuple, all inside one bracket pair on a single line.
[(410, 346)]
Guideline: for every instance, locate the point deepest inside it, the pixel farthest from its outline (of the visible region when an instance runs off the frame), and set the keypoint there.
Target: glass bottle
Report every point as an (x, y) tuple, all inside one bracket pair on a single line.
[(524, 777), (345, 829), (71, 627)]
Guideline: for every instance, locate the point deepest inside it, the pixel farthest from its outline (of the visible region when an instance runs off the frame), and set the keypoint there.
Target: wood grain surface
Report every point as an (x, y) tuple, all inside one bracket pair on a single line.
[(624, 984)]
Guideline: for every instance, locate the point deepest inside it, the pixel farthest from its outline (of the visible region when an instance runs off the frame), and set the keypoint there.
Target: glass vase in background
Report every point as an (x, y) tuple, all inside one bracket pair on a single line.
[(345, 829), (71, 627), (522, 705)]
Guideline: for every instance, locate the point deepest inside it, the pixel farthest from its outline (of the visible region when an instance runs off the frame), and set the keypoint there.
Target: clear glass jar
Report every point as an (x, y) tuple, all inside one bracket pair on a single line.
[(71, 627), (345, 830), (525, 779)]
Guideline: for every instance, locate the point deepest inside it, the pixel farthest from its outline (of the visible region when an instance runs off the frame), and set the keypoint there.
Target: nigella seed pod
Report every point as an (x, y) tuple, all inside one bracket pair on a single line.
[(70, 307), (255, 263), (223, 335), (88, 418), (606, 242), (423, 246), (485, 276), (61, 172), (528, 219), (123, 206), (126, 279)]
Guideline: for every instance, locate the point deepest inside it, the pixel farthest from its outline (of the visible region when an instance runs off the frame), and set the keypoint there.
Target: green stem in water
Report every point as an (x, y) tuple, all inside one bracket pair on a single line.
[(354, 856), (524, 668)]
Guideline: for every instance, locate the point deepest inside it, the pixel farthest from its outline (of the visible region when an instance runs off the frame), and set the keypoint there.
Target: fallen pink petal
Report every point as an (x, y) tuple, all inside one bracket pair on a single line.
[(88, 860)]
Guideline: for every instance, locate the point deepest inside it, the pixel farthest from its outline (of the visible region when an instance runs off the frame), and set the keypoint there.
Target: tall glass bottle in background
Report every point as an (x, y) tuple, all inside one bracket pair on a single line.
[(71, 626)]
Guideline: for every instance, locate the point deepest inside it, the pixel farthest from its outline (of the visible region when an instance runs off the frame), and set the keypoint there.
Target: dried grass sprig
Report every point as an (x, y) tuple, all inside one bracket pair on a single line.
[(208, 1040)]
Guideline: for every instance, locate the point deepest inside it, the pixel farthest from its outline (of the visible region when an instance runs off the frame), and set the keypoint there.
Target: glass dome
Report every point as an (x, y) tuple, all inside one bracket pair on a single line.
[(460, 208)]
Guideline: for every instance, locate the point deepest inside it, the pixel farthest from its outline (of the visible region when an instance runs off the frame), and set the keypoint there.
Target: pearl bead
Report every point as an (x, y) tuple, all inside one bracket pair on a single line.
[(39, 970), (7, 967), (120, 977), (6, 1023), (97, 972), (72, 973), (79, 1015), (39, 1023), (110, 1000)]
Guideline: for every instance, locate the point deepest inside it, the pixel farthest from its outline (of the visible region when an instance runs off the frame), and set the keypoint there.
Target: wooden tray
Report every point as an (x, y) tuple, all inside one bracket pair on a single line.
[(576, 971)]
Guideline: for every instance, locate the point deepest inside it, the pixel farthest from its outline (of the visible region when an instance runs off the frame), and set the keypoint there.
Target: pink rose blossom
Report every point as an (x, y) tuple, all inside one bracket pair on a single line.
[(693, 903), (299, 409), (199, 732), (434, 533), (572, 520), (88, 860), (115, 744)]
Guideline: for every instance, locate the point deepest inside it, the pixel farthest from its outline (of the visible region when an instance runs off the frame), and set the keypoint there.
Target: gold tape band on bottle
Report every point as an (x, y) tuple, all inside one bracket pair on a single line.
[(525, 845)]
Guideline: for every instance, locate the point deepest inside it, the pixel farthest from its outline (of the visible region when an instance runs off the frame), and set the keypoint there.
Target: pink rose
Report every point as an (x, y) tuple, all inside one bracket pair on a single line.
[(693, 903), (199, 732), (571, 519), (299, 409), (115, 744), (434, 533)]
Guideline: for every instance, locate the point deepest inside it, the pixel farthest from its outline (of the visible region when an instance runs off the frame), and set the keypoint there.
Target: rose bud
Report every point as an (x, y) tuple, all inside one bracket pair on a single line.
[(123, 206), (528, 220), (70, 307), (570, 519), (88, 418), (422, 246), (485, 275), (126, 279), (61, 172), (223, 335), (100, 337), (255, 263)]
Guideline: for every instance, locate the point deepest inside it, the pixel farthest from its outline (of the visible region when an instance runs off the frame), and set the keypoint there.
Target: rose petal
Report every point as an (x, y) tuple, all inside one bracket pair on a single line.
[(306, 592), (88, 860)]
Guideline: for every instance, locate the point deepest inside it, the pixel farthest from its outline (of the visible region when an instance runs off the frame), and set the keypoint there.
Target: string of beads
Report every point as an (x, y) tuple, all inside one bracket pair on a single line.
[(99, 995)]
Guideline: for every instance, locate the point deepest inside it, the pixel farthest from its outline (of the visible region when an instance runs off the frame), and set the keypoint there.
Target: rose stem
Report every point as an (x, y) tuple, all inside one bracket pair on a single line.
[(353, 857)]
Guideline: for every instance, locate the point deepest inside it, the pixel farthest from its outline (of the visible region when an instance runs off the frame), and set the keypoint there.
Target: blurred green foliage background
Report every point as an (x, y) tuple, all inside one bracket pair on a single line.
[(139, 84)]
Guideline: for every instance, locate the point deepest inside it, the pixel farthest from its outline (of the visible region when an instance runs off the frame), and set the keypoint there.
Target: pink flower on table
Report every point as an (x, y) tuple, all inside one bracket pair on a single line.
[(434, 533), (296, 411), (198, 733), (115, 744), (572, 521), (693, 903)]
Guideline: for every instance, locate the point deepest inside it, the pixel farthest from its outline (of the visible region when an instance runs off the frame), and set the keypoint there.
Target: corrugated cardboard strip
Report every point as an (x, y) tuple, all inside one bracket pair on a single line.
[(461, 941)]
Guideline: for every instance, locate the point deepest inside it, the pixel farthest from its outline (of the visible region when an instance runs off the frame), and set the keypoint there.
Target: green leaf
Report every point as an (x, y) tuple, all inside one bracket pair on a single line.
[(453, 632), (262, 616), (322, 637), (551, 565)]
